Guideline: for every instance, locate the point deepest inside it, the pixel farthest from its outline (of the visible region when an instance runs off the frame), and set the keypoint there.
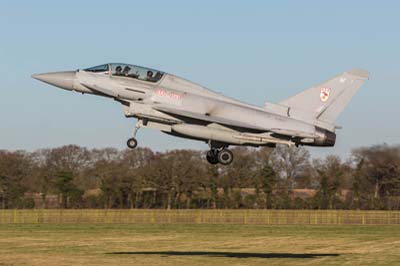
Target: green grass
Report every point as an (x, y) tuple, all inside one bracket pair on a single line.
[(113, 244)]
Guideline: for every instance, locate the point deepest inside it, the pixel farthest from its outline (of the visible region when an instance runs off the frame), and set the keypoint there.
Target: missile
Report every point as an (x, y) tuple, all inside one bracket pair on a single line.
[(203, 132), (226, 135)]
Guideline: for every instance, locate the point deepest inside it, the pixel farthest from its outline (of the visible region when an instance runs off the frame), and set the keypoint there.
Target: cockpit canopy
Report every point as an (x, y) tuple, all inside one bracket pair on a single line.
[(136, 72), (96, 69), (128, 71)]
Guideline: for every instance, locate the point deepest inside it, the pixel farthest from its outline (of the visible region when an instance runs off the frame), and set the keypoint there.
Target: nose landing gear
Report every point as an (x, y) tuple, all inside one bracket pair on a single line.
[(132, 142)]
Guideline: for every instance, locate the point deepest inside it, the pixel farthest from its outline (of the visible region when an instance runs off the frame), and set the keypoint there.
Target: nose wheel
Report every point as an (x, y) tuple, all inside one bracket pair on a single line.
[(132, 142), (223, 156)]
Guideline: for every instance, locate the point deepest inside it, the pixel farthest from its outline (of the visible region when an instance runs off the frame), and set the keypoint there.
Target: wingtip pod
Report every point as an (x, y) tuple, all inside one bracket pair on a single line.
[(361, 73)]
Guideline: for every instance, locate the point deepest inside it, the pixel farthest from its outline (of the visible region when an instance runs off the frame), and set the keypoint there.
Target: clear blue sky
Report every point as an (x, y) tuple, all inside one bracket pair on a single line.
[(250, 50)]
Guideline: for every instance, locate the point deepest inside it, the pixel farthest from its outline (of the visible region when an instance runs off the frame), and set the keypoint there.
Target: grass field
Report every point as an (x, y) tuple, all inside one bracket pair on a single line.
[(130, 244)]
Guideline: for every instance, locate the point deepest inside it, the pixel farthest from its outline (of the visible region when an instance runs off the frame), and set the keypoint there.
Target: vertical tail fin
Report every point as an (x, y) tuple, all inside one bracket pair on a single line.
[(327, 100)]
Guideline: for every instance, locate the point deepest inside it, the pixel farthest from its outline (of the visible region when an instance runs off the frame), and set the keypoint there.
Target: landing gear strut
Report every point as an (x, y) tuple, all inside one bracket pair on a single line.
[(132, 142), (221, 155)]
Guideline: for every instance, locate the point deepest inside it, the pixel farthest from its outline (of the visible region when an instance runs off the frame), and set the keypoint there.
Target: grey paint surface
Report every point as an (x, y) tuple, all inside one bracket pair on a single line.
[(182, 108)]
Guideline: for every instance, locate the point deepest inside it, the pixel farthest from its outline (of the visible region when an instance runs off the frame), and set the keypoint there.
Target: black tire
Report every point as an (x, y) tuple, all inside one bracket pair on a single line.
[(132, 143), (212, 157), (225, 157)]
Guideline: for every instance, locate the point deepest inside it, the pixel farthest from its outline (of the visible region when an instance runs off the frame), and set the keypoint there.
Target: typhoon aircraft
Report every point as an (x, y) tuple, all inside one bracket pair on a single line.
[(184, 109)]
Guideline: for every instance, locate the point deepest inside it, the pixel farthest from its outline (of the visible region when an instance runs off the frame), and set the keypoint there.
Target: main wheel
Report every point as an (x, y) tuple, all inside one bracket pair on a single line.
[(212, 157), (225, 157), (131, 143)]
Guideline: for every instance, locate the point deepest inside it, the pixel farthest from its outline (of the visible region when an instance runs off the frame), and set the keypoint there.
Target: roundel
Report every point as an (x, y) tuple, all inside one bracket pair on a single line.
[(324, 94)]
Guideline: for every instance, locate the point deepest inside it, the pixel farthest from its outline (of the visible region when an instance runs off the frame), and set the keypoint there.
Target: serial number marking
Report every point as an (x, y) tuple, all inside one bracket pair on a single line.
[(172, 95)]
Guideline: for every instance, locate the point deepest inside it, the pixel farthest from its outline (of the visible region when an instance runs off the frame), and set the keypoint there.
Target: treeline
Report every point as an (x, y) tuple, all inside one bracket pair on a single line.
[(281, 178)]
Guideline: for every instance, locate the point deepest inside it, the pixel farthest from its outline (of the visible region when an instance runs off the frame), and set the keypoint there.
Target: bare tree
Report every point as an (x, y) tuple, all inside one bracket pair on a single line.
[(290, 163), (378, 176)]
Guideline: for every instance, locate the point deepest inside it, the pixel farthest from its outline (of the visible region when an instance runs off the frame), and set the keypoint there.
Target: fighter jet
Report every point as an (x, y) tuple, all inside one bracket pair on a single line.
[(185, 109)]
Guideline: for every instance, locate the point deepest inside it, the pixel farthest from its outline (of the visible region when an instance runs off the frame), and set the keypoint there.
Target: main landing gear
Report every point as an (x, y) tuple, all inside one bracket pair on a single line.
[(132, 142), (222, 156)]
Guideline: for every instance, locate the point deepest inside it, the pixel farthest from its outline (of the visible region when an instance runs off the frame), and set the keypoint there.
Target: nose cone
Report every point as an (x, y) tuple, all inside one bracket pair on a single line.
[(63, 80)]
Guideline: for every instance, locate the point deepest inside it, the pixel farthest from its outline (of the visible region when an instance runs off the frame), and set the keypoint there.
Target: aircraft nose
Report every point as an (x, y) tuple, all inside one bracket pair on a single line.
[(63, 80)]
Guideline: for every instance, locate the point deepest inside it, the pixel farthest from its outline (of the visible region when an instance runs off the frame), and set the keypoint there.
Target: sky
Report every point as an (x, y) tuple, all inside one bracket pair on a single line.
[(250, 50)]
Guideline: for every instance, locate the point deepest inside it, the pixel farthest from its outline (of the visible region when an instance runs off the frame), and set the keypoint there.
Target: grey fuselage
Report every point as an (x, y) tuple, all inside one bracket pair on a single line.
[(182, 108)]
